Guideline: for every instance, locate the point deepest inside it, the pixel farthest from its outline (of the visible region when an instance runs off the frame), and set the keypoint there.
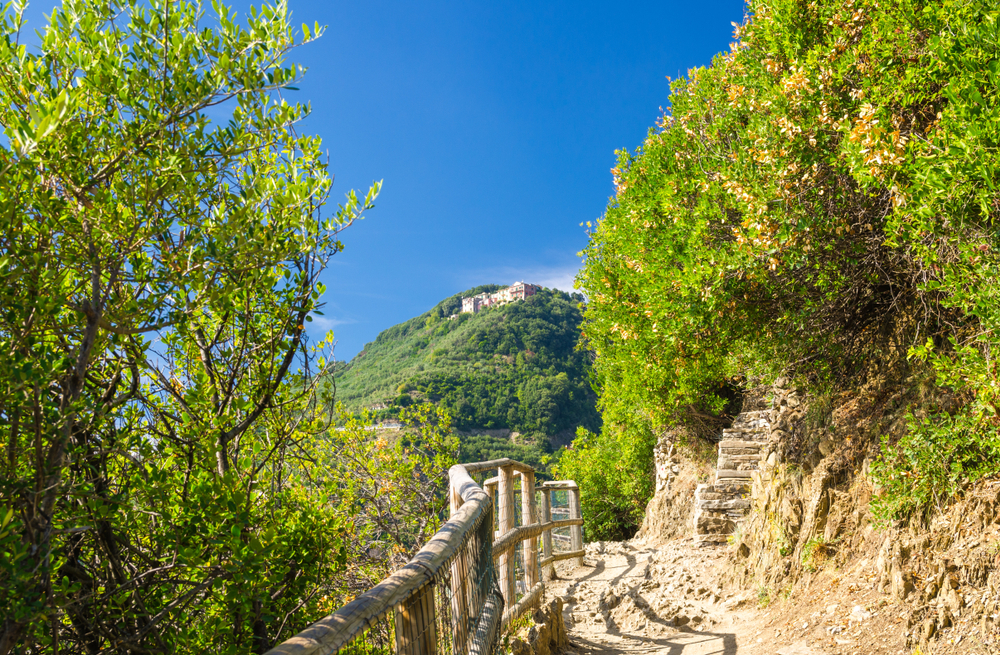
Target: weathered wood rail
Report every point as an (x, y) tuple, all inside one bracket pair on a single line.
[(461, 589)]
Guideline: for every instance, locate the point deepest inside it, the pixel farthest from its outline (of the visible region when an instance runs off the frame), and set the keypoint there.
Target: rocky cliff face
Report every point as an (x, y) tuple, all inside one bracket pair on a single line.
[(679, 468), (810, 528), (809, 541)]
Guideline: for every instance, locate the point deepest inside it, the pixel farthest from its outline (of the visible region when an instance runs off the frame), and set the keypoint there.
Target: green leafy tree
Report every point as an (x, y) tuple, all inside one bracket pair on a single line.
[(817, 201), (391, 482), (159, 267)]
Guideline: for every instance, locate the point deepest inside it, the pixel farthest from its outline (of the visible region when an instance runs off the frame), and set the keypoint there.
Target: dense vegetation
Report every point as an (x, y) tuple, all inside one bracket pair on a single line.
[(391, 483), (514, 367), (821, 201), (160, 489), (614, 469)]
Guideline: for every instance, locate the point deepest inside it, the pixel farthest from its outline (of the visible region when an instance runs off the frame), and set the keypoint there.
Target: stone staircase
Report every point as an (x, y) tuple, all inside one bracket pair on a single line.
[(719, 507)]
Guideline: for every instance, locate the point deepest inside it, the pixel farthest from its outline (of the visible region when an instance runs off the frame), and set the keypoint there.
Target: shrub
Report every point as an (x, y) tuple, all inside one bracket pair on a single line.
[(815, 552), (936, 458), (614, 469)]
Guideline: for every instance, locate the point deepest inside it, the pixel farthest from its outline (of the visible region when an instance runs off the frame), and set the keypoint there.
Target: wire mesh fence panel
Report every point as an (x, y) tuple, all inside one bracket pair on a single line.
[(378, 639), (562, 541)]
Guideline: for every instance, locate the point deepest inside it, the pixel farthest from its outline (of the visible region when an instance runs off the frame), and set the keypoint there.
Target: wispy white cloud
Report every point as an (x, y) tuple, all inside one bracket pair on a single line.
[(323, 324)]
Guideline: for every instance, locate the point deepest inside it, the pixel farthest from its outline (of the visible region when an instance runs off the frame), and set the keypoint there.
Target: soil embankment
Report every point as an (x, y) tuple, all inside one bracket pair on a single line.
[(808, 569)]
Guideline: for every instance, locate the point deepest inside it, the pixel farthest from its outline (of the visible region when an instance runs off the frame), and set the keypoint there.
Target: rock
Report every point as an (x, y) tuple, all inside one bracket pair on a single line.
[(706, 523), (519, 647), (899, 583), (798, 648), (548, 634), (952, 599), (928, 629), (945, 620), (832, 609), (859, 614), (826, 444)]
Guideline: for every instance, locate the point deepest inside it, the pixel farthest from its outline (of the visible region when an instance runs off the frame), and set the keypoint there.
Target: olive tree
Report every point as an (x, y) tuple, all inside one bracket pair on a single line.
[(163, 227)]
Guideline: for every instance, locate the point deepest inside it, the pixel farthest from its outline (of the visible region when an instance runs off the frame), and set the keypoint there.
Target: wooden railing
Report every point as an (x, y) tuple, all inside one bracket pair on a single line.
[(451, 596), (536, 520)]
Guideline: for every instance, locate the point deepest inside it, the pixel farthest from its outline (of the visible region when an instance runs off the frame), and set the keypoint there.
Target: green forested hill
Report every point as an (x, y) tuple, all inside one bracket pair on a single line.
[(515, 367)]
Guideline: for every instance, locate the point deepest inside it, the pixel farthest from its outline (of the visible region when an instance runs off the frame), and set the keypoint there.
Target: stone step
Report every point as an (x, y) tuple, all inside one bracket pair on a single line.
[(733, 452), (746, 432), (750, 417), (746, 471), (728, 461), (745, 435), (713, 496), (723, 474), (729, 465), (750, 424), (750, 420), (735, 443), (758, 415), (756, 457), (725, 490), (718, 505), (747, 449), (712, 524), (733, 486)]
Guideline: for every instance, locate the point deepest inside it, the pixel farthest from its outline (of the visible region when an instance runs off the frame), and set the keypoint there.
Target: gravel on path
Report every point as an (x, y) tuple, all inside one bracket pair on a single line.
[(665, 599)]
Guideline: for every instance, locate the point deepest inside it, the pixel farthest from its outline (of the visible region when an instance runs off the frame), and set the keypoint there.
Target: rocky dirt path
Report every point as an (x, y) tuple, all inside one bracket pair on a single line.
[(631, 598)]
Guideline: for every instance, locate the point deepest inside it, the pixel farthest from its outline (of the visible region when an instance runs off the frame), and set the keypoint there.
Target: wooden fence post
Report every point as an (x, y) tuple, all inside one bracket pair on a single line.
[(528, 517), (490, 486), (576, 531), (459, 593), (506, 502), (549, 572), (416, 629)]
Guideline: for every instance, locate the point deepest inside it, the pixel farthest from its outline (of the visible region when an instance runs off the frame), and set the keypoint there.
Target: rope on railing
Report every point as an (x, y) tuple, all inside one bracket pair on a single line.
[(449, 598)]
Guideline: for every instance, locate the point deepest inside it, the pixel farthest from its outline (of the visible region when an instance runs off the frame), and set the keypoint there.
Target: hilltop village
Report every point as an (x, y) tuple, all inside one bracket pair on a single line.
[(516, 291)]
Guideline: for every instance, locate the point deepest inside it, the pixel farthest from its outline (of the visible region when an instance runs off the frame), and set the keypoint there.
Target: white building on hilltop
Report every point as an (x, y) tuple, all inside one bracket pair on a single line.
[(516, 291)]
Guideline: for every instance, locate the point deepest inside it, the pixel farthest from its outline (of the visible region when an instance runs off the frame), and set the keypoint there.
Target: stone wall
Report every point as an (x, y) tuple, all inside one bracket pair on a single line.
[(787, 410), (547, 633), (668, 514)]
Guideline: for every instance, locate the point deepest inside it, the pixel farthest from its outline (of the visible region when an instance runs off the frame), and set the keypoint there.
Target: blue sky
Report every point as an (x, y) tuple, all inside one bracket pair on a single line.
[(493, 126)]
